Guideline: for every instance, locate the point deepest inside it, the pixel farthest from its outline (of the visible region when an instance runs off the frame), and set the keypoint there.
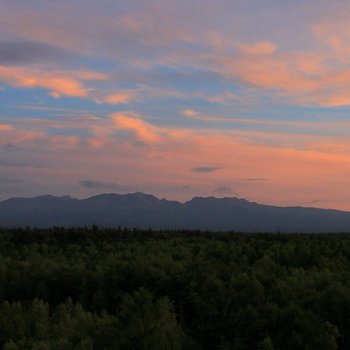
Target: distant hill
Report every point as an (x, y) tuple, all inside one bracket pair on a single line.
[(146, 211)]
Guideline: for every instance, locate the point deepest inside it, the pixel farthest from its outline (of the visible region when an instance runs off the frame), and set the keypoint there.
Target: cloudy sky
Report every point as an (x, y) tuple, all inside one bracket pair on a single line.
[(176, 98)]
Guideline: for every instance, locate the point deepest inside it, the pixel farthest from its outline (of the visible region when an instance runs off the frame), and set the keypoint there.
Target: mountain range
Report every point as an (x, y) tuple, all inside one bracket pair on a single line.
[(147, 211)]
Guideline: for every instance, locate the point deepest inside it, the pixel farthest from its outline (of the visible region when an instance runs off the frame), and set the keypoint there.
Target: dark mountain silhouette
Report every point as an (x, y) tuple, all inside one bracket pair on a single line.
[(146, 211)]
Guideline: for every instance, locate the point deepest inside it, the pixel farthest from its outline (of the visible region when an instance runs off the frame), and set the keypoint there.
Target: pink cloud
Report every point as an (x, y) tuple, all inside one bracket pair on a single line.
[(295, 169), (59, 141), (6, 127), (22, 136), (258, 48), (17, 136), (196, 115)]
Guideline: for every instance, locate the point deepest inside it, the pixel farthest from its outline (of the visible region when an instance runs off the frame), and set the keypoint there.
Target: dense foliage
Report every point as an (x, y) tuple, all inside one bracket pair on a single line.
[(120, 289)]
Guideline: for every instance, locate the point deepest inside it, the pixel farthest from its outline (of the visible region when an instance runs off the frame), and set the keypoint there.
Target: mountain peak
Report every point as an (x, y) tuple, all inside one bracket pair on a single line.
[(145, 210), (116, 196), (212, 199)]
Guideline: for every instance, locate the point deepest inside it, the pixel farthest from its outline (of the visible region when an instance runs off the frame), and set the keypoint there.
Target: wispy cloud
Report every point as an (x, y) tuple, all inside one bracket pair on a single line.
[(118, 97), (27, 52), (101, 185), (6, 127), (205, 169), (224, 190), (258, 48), (10, 163)]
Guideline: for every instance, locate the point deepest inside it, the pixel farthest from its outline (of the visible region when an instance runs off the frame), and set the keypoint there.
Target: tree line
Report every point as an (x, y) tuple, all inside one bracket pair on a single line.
[(92, 288)]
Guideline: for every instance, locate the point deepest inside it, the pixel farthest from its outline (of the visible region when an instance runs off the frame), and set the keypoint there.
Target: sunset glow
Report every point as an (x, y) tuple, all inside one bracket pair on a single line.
[(237, 98)]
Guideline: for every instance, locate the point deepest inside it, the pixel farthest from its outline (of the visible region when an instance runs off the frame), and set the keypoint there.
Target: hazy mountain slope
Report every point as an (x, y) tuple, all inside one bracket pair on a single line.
[(144, 211)]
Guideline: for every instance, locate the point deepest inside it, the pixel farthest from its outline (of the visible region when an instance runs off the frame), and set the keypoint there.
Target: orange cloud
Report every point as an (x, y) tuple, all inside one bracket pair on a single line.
[(57, 82), (304, 78), (143, 131), (333, 30), (121, 97)]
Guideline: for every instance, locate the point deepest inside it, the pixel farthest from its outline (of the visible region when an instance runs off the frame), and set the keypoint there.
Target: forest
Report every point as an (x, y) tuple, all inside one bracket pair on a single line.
[(94, 288)]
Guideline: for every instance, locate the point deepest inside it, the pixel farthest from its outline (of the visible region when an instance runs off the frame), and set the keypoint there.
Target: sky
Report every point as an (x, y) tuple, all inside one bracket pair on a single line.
[(225, 98)]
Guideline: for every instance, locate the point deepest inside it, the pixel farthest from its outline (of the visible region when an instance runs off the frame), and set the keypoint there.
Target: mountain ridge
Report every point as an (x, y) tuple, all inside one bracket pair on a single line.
[(147, 211)]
